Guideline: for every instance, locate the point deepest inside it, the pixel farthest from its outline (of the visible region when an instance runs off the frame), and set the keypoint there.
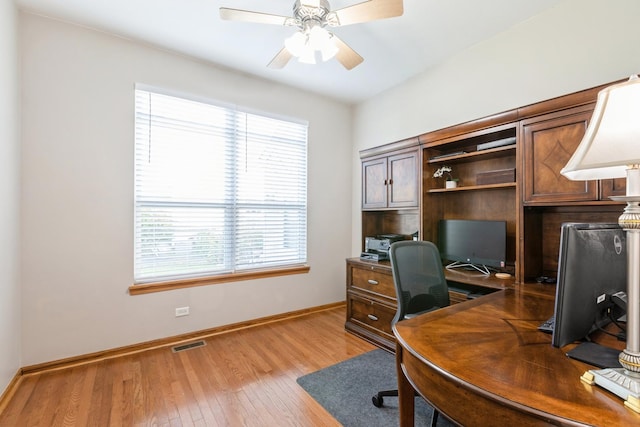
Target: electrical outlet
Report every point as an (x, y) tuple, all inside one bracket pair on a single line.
[(182, 311)]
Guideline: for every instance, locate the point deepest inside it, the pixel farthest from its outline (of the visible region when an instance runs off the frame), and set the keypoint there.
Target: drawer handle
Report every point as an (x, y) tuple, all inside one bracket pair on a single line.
[(372, 282), (372, 317)]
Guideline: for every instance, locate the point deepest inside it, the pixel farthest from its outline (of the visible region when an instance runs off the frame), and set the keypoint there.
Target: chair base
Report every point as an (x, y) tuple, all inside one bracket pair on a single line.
[(378, 398), (378, 402)]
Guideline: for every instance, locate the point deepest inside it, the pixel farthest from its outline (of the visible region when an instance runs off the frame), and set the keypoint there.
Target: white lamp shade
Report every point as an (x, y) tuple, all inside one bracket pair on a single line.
[(612, 140)]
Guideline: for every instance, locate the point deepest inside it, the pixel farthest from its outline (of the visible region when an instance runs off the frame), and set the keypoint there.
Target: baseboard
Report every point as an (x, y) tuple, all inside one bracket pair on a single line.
[(164, 342)]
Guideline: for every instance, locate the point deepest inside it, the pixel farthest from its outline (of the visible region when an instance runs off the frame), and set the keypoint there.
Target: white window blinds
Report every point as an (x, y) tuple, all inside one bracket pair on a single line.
[(217, 190)]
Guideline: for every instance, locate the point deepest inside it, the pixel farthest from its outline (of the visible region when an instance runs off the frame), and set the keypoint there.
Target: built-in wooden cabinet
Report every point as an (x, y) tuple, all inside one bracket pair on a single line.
[(371, 302), (549, 199), (508, 168), (548, 144), (391, 180), (391, 189)]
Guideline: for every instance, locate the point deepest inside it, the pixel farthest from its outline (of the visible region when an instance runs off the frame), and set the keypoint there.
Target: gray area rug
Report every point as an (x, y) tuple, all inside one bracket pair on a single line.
[(345, 391)]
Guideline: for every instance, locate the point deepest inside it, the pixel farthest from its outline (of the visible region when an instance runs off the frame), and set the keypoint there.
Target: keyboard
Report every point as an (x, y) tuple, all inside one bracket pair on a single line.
[(547, 325)]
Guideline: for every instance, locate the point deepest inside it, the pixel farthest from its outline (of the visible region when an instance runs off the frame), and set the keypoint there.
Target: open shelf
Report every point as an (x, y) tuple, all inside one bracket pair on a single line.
[(473, 187), (471, 156)]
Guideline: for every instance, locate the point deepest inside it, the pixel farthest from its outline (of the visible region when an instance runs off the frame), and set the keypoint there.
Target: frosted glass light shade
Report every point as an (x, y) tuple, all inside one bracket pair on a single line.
[(612, 141), (296, 44), (304, 44), (308, 56), (322, 40)]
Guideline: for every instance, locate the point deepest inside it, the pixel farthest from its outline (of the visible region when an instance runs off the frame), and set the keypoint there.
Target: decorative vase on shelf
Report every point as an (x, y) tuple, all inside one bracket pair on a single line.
[(451, 182)]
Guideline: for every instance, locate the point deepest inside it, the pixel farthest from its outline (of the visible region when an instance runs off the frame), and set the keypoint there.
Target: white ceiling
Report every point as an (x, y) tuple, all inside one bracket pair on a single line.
[(394, 49)]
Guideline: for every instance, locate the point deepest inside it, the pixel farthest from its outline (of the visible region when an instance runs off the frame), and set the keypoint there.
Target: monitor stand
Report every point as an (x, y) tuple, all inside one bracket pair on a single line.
[(481, 268)]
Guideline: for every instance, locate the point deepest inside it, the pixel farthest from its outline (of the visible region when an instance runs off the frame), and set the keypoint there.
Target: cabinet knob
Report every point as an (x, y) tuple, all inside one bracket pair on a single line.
[(372, 317), (372, 282), (390, 182)]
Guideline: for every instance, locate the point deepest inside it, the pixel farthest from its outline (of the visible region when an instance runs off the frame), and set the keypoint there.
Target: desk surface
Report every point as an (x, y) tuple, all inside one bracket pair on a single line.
[(484, 362)]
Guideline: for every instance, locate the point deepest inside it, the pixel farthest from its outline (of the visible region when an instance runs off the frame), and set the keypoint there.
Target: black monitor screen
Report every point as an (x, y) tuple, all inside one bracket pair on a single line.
[(475, 242), (592, 265)]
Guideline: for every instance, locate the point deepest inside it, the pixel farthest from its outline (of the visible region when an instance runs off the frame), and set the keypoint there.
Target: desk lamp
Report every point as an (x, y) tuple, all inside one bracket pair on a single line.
[(611, 149)]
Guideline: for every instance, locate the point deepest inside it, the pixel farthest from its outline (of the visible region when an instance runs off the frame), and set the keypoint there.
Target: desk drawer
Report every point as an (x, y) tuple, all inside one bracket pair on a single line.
[(374, 281), (371, 315)]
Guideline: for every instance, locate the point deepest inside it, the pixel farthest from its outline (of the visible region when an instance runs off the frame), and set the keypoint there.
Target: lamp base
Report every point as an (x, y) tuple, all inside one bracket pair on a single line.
[(620, 382)]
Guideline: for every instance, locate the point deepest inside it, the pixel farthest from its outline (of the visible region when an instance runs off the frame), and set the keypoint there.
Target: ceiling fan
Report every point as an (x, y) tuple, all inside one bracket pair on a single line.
[(312, 38)]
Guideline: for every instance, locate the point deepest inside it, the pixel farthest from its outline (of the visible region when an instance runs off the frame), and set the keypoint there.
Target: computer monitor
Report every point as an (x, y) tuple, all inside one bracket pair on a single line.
[(592, 266), (473, 243)]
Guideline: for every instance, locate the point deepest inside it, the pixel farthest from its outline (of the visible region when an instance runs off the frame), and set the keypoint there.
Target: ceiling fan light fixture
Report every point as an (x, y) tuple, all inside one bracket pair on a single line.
[(329, 51), (313, 41), (322, 40), (308, 56), (305, 43), (297, 44)]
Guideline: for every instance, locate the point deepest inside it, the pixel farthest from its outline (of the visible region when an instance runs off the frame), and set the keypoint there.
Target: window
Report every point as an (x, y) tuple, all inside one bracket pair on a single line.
[(217, 190)]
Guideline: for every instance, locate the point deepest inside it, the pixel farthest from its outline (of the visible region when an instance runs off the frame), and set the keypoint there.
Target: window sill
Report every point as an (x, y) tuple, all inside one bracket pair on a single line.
[(147, 288)]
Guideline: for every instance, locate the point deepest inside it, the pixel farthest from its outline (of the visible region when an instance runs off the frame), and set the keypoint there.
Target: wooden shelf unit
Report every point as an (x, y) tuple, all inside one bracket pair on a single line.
[(539, 140), (470, 200)]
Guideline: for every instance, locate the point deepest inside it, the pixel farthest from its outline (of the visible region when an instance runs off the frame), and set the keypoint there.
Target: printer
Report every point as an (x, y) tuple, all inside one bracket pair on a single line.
[(377, 248)]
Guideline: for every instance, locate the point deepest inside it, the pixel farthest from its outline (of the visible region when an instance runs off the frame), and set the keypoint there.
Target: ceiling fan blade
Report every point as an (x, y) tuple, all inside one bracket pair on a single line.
[(367, 11), (281, 59), (348, 57), (249, 16)]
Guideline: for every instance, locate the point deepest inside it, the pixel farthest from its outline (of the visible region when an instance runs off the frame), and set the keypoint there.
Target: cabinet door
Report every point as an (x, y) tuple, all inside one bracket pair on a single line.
[(403, 180), (548, 146), (374, 183), (613, 187)]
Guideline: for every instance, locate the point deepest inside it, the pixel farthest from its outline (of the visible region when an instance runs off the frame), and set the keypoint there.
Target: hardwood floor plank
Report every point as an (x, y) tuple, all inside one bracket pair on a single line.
[(197, 384), (155, 404), (79, 406), (163, 382), (183, 404), (244, 377), (98, 407), (47, 403), (19, 400)]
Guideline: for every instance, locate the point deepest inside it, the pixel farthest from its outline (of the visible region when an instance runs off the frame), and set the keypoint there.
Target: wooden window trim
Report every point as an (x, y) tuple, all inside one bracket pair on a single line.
[(147, 288)]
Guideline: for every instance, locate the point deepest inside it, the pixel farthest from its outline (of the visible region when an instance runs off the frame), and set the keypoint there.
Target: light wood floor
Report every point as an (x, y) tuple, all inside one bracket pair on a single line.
[(241, 378)]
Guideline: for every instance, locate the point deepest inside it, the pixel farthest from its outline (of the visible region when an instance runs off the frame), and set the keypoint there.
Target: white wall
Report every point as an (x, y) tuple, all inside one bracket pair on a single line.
[(10, 196), (577, 45), (77, 240), (77, 142)]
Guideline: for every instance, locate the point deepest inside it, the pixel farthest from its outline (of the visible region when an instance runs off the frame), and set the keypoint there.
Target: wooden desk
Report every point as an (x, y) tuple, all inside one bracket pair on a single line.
[(484, 363)]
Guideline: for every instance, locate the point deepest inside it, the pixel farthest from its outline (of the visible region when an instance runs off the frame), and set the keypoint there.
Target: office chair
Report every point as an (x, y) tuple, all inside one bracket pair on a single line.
[(420, 285)]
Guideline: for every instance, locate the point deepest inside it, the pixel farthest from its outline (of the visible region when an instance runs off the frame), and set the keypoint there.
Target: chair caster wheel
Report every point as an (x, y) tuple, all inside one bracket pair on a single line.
[(377, 401)]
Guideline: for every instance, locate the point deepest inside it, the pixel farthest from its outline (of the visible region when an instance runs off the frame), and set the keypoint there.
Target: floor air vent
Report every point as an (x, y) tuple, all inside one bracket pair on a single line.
[(188, 346)]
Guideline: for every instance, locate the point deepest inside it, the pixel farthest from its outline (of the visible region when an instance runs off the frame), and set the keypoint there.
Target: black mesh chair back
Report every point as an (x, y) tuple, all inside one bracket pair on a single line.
[(418, 276), (419, 279)]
